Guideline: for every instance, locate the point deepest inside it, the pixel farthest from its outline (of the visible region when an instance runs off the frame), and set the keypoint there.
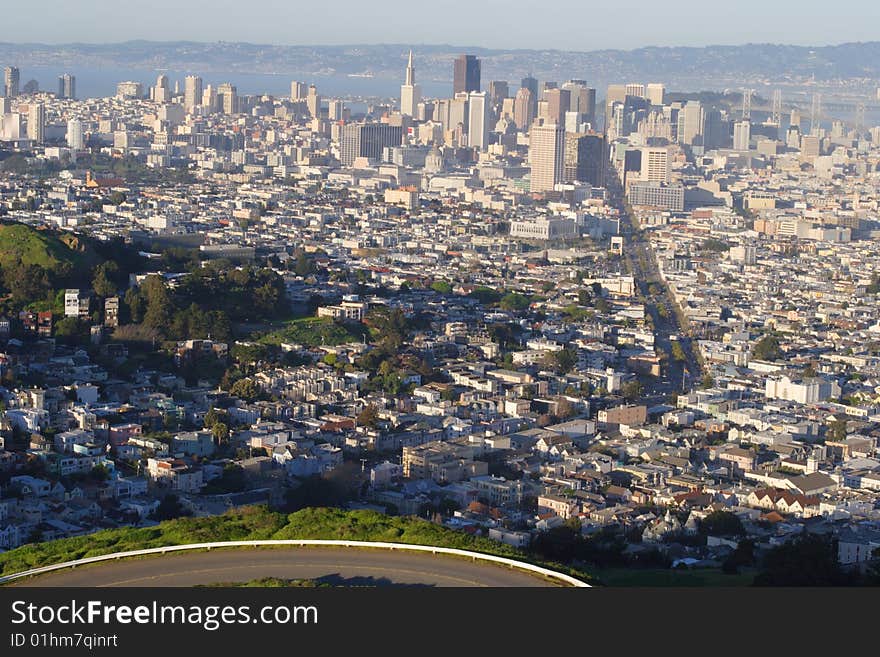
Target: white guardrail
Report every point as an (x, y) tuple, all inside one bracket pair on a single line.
[(475, 556)]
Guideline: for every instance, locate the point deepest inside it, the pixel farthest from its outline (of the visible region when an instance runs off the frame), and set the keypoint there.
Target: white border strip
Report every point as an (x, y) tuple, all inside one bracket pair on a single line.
[(475, 556)]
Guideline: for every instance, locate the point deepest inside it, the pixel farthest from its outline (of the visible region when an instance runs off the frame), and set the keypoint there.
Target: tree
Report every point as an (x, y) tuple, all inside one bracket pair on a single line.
[(837, 430), (245, 389), (170, 508), (369, 417), (514, 302), (103, 281), (807, 560), (220, 432), (722, 523), (159, 306), (565, 360), (767, 348), (441, 287), (631, 390), (677, 352)]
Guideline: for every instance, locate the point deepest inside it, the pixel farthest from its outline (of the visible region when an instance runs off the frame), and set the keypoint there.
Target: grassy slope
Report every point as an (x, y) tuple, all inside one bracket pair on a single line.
[(312, 332), (35, 247), (251, 523)]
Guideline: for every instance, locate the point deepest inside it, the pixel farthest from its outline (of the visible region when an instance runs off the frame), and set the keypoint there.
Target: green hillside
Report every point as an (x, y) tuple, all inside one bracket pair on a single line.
[(57, 253), (252, 523)]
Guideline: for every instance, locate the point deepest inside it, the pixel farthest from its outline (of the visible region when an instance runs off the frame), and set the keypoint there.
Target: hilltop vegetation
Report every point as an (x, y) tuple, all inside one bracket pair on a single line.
[(254, 523)]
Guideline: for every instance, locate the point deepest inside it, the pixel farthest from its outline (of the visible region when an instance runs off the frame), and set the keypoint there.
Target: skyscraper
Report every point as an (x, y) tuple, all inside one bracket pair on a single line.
[(36, 128), (741, 135), (75, 138), (546, 155), (478, 120), (227, 98), (690, 123), (498, 91), (192, 92), (313, 101), (162, 92), (367, 140), (523, 114), (298, 90), (558, 101), (466, 74), (66, 86), (11, 79), (655, 92), (656, 165), (410, 92), (584, 159)]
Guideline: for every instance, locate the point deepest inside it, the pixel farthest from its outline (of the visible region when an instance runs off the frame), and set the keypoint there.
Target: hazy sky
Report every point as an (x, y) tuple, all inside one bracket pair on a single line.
[(563, 24)]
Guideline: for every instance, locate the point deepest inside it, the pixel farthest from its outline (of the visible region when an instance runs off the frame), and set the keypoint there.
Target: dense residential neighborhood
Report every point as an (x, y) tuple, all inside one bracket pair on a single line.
[(666, 356)]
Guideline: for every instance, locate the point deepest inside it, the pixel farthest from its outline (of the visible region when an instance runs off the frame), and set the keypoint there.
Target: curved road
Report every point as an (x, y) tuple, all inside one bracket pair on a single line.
[(341, 566)]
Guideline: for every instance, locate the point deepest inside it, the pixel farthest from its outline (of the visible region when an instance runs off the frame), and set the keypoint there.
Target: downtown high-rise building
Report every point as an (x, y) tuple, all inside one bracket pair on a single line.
[(656, 165), (466, 74), (584, 158), (298, 90), (478, 120), (367, 140), (192, 92), (36, 128), (410, 92), (558, 102), (690, 123), (742, 135), (11, 81), (498, 91), (546, 156), (523, 109), (227, 98), (313, 102), (161, 92), (67, 86)]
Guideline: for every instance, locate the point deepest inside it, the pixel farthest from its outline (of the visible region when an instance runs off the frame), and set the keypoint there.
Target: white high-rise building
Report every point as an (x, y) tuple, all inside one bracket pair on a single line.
[(75, 139), (742, 135), (36, 128), (192, 92), (690, 120), (656, 165), (478, 120), (410, 92), (162, 92), (298, 90), (655, 91), (546, 156), (635, 89)]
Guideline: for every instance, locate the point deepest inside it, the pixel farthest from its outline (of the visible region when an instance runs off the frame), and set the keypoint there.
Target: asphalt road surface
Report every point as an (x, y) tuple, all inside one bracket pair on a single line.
[(333, 565)]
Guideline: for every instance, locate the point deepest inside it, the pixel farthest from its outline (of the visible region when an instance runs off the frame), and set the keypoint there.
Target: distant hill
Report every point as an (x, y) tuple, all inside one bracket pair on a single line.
[(709, 67)]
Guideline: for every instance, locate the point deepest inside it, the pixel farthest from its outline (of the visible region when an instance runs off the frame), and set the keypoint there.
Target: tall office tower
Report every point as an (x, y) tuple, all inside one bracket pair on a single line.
[(129, 89), (478, 120), (11, 79), (441, 112), (546, 155), (298, 90), (162, 92), (616, 93), (75, 138), (458, 112), (558, 102), (66, 86), (717, 130), (313, 101), (498, 91), (410, 92), (466, 74), (36, 128), (209, 99), (227, 98), (587, 105), (690, 123), (192, 92), (584, 158), (656, 165), (531, 84), (741, 135), (367, 140), (795, 118), (635, 89), (335, 110), (655, 92), (5, 106)]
